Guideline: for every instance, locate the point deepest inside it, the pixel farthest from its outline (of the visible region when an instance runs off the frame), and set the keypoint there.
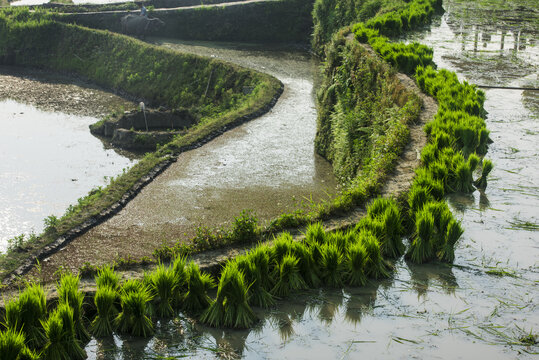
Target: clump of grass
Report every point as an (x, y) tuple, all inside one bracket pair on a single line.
[(180, 278), (25, 314), (198, 284), (11, 344), (332, 265), (61, 339), (315, 233), (69, 293), (133, 318), (288, 277), (104, 300), (421, 248), (162, 285), (106, 277), (375, 266), (230, 308), (481, 183), (355, 265)]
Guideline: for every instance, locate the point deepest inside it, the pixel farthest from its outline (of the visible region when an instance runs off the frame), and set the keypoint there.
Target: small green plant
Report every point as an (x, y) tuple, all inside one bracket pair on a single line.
[(180, 281), (133, 319), (355, 265), (288, 277), (196, 298), (162, 285), (25, 313), (106, 277), (62, 342), (375, 267), (104, 300), (11, 344), (245, 228), (331, 266), (69, 293)]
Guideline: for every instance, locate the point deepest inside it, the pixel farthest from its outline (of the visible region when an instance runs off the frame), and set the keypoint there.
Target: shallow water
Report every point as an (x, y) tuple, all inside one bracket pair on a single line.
[(48, 157), (428, 311), (267, 165)]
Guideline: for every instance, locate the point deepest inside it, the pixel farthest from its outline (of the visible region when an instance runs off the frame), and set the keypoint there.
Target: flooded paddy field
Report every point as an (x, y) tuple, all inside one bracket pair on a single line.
[(485, 305), (48, 157), (267, 165)]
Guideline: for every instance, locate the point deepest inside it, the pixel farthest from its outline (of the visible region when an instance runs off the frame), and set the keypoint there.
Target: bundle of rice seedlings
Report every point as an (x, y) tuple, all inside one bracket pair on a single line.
[(484, 140), (481, 183), (392, 245), (198, 284), (25, 314), (180, 276), (467, 139), (288, 277), (421, 249), (424, 178), (106, 277), (69, 293), (375, 266), (282, 245), (438, 170), (315, 233), (11, 344), (463, 178), (60, 332), (331, 267), (417, 197), (162, 284), (230, 308), (339, 239), (473, 161), (308, 268), (355, 265), (106, 311), (372, 225), (133, 319), (260, 258), (257, 295), (453, 234), (378, 206)]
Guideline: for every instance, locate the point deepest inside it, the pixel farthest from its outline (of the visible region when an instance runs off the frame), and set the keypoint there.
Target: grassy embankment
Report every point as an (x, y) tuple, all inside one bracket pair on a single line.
[(159, 76)]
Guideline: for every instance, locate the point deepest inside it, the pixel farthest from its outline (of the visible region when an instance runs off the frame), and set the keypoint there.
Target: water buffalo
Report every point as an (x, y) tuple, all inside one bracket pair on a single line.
[(140, 25)]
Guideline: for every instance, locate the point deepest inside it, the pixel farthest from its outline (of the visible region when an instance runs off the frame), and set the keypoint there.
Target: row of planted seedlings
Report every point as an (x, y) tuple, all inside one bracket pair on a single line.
[(34, 329)]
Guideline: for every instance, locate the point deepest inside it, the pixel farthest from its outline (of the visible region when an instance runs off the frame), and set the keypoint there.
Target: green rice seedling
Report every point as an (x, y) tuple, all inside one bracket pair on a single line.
[(473, 161), (282, 245), (162, 283), (288, 277), (230, 308), (131, 285), (484, 140), (331, 267), (257, 295), (27, 354), (392, 245), (55, 348), (339, 239), (315, 233), (424, 178), (180, 277), (72, 345), (463, 178), (374, 226), (133, 318), (429, 154), (467, 138), (453, 234), (107, 277), (104, 300), (198, 284), (421, 249), (60, 332), (481, 183), (375, 267), (260, 258), (69, 293), (25, 314), (355, 265), (417, 197), (439, 172), (308, 268), (11, 344), (378, 206)]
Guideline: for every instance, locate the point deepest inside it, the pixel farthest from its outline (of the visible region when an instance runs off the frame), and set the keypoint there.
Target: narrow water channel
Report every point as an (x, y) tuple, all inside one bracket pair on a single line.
[(267, 165), (48, 158), (428, 311)]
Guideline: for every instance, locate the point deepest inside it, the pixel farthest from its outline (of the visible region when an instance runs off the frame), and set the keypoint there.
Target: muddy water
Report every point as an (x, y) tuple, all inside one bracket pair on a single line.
[(429, 311), (48, 157), (267, 165)]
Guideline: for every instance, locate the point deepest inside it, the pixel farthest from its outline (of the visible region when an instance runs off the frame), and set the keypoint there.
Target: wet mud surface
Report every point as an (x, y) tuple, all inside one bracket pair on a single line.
[(267, 165), (482, 307), (48, 157)]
